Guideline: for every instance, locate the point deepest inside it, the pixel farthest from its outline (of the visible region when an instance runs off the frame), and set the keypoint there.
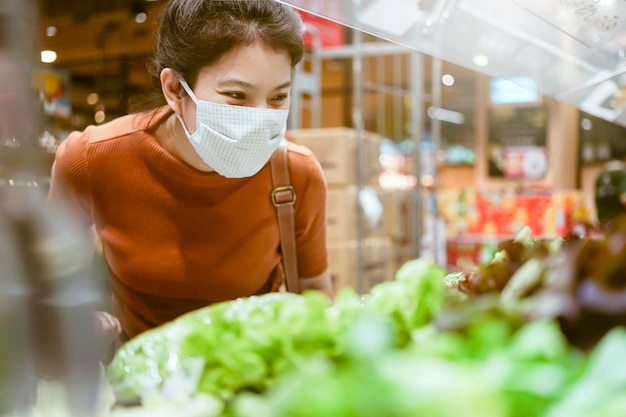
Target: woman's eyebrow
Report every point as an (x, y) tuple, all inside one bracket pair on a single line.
[(235, 82), (283, 85), (244, 84)]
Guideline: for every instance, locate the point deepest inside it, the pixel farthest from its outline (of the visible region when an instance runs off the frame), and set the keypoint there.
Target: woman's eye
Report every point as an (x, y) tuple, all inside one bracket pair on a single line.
[(281, 97), (236, 96)]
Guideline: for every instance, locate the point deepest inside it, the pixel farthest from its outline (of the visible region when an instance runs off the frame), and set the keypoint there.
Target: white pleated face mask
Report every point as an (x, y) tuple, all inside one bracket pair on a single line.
[(235, 141)]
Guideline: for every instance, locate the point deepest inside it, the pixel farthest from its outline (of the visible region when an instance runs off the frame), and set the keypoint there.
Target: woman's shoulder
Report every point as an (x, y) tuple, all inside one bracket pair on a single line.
[(300, 156), (74, 149), (303, 165), (298, 149), (122, 126)]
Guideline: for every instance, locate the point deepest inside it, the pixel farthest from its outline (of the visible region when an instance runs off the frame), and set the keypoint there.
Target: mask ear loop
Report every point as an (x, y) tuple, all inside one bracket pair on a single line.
[(188, 90), (193, 97)]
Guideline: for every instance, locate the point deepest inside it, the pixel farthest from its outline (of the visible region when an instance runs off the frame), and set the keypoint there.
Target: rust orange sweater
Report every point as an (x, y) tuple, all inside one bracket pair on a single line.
[(176, 239)]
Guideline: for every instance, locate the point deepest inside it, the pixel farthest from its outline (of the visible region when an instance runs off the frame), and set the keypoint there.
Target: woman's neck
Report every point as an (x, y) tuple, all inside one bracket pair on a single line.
[(172, 138)]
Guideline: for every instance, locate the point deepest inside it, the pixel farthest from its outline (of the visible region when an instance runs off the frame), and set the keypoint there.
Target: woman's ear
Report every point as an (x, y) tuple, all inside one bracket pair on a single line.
[(172, 90)]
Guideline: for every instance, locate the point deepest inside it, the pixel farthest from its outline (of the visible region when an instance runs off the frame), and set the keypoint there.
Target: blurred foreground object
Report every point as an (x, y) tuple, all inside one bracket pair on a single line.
[(46, 295)]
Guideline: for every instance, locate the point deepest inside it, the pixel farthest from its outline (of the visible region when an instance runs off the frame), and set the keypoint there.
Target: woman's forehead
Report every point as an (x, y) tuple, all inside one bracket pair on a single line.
[(256, 65)]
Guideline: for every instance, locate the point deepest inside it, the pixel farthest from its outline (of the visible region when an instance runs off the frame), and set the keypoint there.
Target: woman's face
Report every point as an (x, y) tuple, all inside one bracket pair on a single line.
[(252, 76)]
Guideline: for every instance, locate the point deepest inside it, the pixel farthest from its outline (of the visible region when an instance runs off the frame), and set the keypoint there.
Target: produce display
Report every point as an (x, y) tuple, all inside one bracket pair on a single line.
[(538, 331), (579, 282), (525, 335)]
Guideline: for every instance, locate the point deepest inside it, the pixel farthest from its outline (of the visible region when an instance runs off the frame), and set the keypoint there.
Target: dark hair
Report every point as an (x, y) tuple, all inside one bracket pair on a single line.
[(195, 33)]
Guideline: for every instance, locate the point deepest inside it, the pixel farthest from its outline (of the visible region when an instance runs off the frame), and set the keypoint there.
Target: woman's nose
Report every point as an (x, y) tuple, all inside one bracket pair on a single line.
[(261, 104)]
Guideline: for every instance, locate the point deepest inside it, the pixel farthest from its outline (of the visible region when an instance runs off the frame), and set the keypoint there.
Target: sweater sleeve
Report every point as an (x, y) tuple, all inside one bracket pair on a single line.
[(69, 188), (310, 211)]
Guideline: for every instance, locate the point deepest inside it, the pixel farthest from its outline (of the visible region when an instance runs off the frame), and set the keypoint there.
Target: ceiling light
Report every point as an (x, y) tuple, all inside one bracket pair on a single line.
[(141, 17), (446, 115), (447, 80), (51, 31), (48, 57), (100, 116), (481, 60), (92, 98)]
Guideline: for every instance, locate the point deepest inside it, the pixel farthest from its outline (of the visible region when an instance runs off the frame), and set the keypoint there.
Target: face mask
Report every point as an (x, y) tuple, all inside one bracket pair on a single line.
[(235, 141)]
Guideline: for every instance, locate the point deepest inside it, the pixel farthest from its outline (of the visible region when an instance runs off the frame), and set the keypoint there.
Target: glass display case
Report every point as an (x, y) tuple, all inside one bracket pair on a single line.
[(572, 50)]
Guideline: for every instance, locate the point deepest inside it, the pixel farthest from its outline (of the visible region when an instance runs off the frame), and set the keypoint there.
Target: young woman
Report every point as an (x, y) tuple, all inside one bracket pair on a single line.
[(180, 194)]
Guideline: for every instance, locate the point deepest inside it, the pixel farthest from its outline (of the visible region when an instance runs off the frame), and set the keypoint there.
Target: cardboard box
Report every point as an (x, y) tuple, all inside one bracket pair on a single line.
[(398, 210), (342, 207), (332, 114), (336, 150), (378, 262)]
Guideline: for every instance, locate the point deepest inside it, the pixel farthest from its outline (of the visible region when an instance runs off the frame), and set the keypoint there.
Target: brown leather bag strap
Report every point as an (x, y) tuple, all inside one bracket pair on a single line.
[(284, 197)]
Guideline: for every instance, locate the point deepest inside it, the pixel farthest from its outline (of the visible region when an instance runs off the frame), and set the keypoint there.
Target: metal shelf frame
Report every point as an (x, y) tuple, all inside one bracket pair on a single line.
[(365, 54)]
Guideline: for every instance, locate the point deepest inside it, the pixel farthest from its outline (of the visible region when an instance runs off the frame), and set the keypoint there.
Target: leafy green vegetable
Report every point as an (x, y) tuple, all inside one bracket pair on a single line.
[(395, 384), (600, 390), (140, 367), (406, 348), (246, 343)]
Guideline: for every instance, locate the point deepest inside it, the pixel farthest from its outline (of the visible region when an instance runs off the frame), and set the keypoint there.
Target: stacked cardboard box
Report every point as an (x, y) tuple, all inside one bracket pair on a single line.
[(353, 213), (376, 264), (398, 208), (361, 250), (336, 150)]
